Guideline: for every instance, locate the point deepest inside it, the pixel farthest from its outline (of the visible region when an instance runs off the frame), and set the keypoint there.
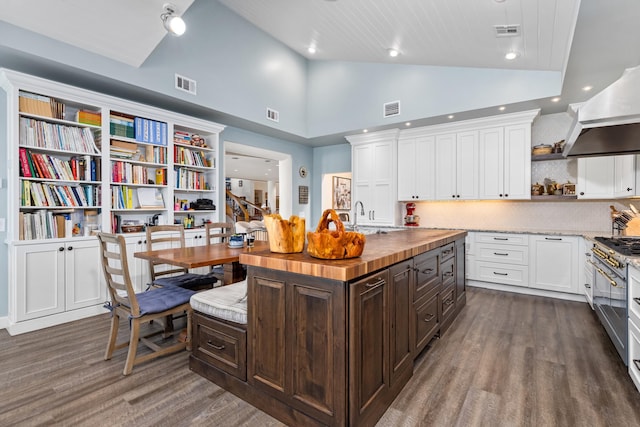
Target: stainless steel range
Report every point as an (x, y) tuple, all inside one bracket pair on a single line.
[(610, 286)]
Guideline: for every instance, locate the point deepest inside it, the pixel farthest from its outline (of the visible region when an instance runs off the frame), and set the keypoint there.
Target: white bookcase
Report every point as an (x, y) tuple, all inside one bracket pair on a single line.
[(79, 162)]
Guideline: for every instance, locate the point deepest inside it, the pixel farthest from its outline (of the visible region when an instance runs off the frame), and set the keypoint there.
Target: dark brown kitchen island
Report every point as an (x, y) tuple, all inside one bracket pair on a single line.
[(333, 342)]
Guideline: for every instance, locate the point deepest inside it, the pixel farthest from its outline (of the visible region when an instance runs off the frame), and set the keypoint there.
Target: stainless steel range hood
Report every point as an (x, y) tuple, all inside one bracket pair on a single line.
[(609, 123)]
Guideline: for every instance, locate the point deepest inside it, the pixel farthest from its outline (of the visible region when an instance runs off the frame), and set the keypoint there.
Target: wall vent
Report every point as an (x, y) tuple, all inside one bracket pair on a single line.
[(273, 115), (186, 84), (507, 30), (391, 109)]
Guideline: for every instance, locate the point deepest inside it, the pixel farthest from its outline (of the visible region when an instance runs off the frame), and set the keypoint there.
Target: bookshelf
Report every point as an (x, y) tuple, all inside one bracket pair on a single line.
[(79, 162)]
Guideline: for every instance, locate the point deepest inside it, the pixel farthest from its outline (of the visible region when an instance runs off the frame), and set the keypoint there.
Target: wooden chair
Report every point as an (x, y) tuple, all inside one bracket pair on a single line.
[(217, 232), (172, 236), (156, 303)]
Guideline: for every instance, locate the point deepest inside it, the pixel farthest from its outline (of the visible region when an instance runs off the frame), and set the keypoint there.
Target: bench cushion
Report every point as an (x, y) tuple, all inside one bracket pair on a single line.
[(224, 302), (187, 281)]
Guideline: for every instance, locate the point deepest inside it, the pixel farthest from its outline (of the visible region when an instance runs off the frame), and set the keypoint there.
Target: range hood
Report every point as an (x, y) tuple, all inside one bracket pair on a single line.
[(609, 123)]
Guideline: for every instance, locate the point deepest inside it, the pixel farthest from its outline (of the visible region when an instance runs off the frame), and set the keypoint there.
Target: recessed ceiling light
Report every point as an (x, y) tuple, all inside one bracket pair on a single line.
[(365, 130), (587, 88), (556, 99), (311, 49), (510, 56), (502, 108), (408, 124), (393, 52), (450, 116)]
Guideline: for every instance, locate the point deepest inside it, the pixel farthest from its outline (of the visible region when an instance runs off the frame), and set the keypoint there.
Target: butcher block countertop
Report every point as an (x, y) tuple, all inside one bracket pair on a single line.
[(380, 251)]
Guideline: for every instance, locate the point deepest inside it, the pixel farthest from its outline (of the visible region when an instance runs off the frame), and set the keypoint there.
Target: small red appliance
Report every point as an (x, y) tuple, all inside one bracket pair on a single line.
[(410, 219)]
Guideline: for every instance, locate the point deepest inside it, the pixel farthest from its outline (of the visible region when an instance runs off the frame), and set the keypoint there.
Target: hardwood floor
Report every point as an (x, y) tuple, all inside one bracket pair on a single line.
[(508, 360)]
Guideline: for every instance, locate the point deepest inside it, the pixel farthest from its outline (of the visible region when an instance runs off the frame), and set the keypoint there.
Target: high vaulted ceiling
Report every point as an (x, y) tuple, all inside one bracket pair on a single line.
[(590, 42)]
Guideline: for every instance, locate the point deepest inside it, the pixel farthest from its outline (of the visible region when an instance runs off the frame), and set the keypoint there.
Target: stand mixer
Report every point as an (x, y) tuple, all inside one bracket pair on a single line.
[(410, 219)]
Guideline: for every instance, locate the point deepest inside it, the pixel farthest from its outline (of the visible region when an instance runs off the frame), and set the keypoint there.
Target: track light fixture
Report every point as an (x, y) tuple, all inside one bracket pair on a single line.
[(172, 23)]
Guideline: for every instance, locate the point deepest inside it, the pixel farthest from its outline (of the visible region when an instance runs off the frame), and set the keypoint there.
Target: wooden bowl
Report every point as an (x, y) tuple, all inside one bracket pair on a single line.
[(132, 228)]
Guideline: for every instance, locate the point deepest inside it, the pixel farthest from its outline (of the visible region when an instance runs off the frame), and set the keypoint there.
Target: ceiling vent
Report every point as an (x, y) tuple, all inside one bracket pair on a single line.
[(507, 30), (273, 115), (391, 109), (186, 84)]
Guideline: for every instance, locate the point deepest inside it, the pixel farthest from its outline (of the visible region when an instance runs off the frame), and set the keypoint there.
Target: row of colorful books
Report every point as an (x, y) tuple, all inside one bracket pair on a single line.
[(44, 166), (122, 197), (37, 133), (138, 128), (124, 172), (89, 117), (190, 180), (185, 156), (40, 105), (44, 225), (41, 194)]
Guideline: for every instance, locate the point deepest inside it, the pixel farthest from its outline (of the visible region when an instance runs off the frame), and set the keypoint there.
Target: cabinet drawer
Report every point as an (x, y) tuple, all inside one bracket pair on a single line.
[(447, 272), (447, 251), (502, 273), (502, 253), (427, 274), (502, 238), (448, 299), (220, 345), (426, 321)]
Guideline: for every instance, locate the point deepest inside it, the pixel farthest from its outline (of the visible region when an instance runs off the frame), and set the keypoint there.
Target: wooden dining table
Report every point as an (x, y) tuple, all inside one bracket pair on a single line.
[(203, 256)]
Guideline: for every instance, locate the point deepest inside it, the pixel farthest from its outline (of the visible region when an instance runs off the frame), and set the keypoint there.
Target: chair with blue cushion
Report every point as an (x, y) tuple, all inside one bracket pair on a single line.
[(218, 232), (141, 308), (172, 236)]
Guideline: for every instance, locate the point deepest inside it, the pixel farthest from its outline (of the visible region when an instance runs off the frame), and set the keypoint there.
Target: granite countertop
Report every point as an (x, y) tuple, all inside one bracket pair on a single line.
[(380, 251)]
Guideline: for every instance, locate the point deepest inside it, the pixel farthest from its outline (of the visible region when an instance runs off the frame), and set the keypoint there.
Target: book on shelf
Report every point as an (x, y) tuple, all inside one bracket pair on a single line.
[(25, 170), (89, 117), (32, 103)]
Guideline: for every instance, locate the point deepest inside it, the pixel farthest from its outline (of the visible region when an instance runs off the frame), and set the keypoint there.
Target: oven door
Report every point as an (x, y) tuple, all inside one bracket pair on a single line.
[(610, 301)]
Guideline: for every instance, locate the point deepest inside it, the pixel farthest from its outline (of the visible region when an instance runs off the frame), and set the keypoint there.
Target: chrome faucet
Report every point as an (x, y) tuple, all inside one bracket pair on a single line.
[(355, 216)]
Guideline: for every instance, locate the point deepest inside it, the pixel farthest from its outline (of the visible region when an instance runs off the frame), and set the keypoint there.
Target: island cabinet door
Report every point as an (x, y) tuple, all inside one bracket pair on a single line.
[(369, 349), (400, 303), (297, 351)]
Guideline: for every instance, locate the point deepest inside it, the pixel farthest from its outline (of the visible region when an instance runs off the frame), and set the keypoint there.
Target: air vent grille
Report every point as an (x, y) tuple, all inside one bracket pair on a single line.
[(507, 30), (186, 84), (391, 109), (273, 115)]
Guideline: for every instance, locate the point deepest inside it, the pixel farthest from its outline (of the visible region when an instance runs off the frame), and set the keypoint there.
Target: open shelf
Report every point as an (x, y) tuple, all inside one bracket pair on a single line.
[(554, 156)]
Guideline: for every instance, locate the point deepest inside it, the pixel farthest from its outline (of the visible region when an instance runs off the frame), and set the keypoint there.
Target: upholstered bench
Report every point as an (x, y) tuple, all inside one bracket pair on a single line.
[(220, 328)]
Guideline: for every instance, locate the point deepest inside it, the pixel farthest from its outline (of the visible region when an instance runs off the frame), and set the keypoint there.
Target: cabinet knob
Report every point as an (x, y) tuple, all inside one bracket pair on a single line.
[(70, 248), (629, 189), (139, 242), (582, 193), (500, 194), (506, 195), (61, 249), (458, 196), (453, 195)]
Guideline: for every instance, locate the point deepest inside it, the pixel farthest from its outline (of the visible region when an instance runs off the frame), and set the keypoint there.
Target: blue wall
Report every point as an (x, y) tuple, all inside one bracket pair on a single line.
[(329, 159)]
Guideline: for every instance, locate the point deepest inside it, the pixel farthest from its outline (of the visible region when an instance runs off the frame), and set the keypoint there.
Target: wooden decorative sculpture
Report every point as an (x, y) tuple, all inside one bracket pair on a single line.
[(285, 236), (334, 244)]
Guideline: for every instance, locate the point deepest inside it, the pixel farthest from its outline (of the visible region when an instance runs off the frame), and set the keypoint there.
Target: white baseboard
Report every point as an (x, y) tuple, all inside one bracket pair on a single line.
[(527, 291), (53, 320), (4, 322)]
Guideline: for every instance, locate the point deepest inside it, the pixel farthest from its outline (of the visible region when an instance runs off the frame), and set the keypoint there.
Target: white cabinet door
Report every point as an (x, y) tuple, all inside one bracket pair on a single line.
[(517, 162), (554, 263), (445, 166), (196, 237), (595, 177), (624, 176), (138, 268), (467, 165), (374, 179), (84, 279), (415, 169), (491, 163), (40, 280)]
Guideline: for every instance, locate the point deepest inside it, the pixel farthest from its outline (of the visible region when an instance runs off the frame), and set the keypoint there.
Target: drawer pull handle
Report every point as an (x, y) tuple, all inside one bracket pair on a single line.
[(501, 254), (427, 271), (500, 238), (374, 284), (500, 274), (448, 274), (553, 238), (429, 317), (217, 347), (637, 300), (588, 286), (637, 363), (448, 302)]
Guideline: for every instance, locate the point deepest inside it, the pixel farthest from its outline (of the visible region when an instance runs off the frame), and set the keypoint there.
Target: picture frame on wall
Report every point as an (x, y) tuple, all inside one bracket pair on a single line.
[(341, 193)]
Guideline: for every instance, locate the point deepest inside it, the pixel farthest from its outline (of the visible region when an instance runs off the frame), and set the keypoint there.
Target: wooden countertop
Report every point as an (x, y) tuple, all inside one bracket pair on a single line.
[(381, 250)]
